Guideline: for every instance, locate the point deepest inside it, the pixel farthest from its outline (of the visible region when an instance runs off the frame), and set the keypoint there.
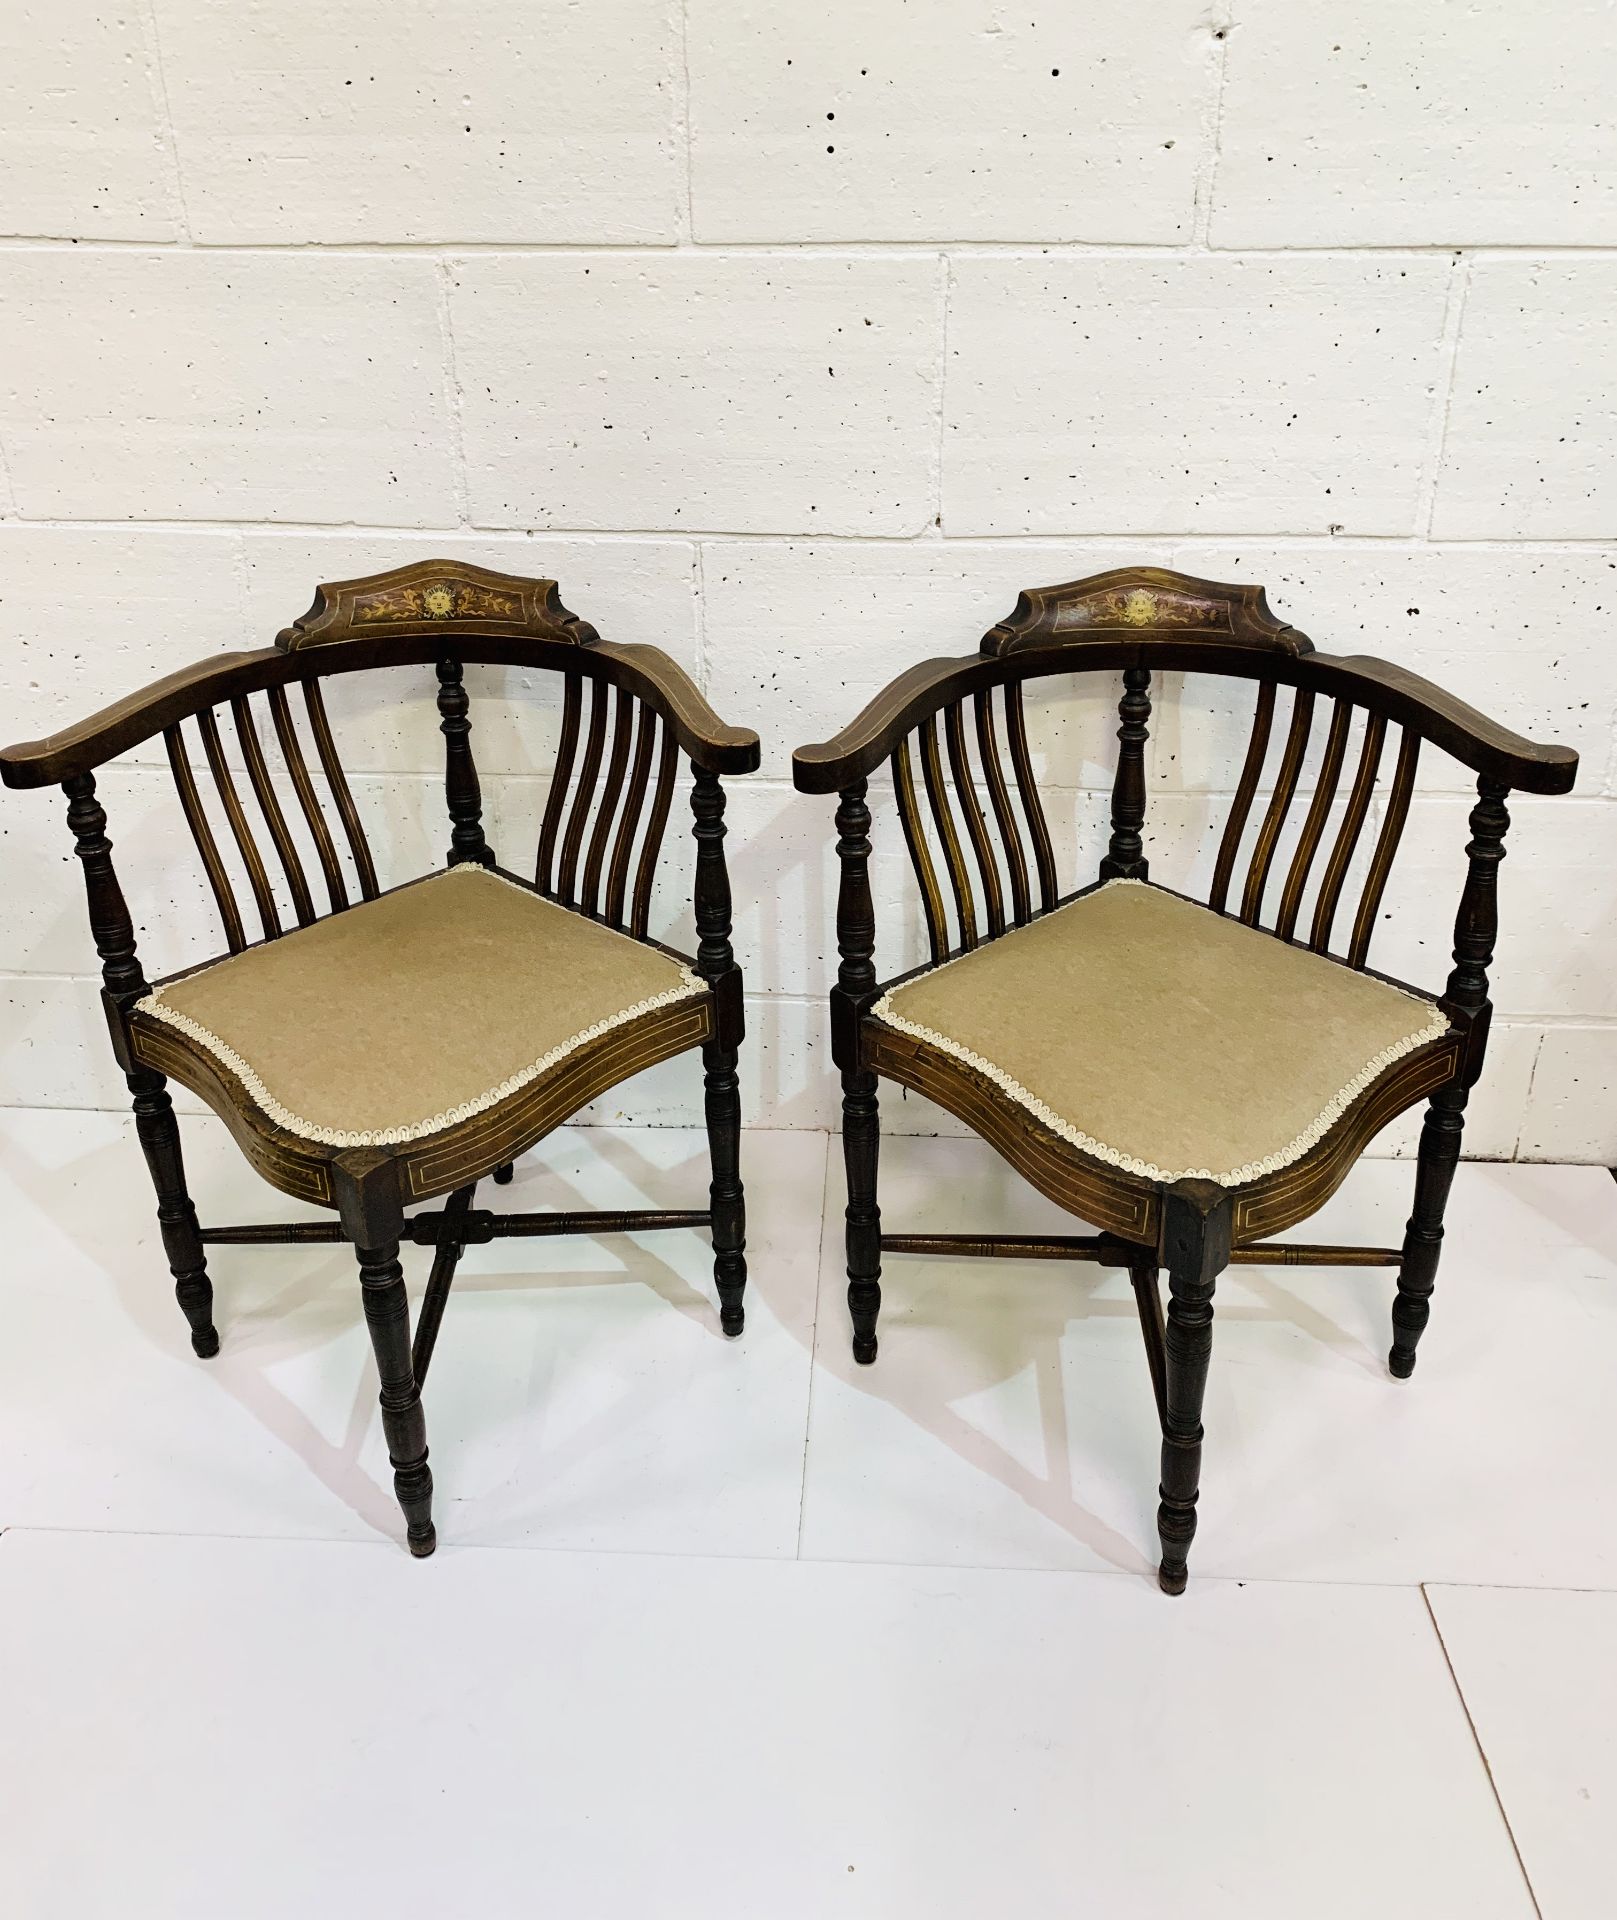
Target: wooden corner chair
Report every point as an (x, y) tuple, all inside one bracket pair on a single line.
[(403, 1044), (1189, 1077)]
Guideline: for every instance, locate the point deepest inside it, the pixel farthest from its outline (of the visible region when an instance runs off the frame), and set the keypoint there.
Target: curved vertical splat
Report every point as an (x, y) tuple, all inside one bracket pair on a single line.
[(292, 753), (611, 792), (1291, 897), (337, 781), (578, 818), (1347, 836), (948, 838), (1257, 748), (954, 724), (1027, 790), (1392, 827), (926, 875), (246, 845), (1125, 854), (999, 796), (1291, 766), (270, 807), (617, 880), (661, 799), (566, 747), (191, 805)]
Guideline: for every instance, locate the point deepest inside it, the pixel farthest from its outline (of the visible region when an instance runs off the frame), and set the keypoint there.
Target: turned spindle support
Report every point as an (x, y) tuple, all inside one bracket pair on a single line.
[(715, 962), (1465, 998), (122, 984), (1125, 854), (461, 789), (851, 998)]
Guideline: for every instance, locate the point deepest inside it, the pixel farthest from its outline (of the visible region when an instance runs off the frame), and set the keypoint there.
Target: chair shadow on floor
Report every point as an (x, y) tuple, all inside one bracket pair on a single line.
[(273, 1322), (953, 1331)]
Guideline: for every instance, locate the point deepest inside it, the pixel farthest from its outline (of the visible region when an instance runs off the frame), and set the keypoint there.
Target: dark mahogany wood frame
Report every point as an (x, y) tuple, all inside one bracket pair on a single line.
[(438, 613), (1140, 621)]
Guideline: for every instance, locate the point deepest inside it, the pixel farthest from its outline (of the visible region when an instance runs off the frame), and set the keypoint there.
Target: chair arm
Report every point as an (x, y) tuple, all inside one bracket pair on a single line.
[(829, 766), (89, 743), (710, 743)]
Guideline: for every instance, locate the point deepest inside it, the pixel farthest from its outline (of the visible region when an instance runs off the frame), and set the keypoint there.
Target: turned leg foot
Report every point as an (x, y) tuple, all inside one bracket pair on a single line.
[(861, 1142), (159, 1135), (387, 1316), (1196, 1248), (727, 1199), (1423, 1237)]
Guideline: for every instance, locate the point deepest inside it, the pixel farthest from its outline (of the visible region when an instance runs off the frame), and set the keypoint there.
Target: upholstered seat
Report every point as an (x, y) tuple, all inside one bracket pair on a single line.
[(418, 1009), (1162, 1037)]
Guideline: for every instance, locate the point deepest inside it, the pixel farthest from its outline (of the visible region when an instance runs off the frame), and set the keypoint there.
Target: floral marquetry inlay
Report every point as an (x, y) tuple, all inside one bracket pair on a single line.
[(1145, 607), (1141, 600), (431, 594), (442, 600)]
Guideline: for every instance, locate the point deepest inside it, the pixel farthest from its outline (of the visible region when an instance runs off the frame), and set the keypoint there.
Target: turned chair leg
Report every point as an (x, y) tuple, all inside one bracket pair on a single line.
[(159, 1134), (387, 1315), (861, 1144), (1196, 1248), (1423, 1237), (722, 1103)]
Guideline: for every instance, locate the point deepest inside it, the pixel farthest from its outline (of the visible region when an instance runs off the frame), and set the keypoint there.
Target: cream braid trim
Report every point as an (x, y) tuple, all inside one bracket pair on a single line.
[(1435, 1027), (691, 986)]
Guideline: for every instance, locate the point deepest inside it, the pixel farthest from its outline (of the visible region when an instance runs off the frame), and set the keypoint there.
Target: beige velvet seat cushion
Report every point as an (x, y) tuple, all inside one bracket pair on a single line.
[(1163, 1038), (418, 1009)]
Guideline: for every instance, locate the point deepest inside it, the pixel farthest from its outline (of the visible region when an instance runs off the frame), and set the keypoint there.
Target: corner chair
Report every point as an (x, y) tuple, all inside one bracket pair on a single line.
[(375, 1050), (1189, 1076)]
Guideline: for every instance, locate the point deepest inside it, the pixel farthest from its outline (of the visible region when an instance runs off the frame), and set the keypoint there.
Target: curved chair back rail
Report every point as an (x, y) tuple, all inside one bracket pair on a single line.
[(384, 621), (974, 822), (603, 826), (1134, 617)]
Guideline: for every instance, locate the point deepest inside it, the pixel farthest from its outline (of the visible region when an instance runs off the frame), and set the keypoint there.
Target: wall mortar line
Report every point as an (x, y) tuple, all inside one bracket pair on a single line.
[(910, 246), (453, 396), (1443, 398), (935, 530), (684, 204), (157, 83), (1206, 177)]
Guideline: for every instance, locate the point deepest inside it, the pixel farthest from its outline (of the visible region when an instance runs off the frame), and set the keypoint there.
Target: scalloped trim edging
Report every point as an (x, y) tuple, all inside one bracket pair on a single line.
[(691, 986), (1434, 1029)]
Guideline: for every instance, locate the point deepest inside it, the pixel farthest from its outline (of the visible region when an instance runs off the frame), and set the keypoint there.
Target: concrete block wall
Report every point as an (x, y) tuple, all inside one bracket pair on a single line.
[(796, 341)]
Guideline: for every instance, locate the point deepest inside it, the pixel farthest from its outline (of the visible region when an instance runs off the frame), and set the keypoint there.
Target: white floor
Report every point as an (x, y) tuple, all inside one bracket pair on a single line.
[(738, 1629)]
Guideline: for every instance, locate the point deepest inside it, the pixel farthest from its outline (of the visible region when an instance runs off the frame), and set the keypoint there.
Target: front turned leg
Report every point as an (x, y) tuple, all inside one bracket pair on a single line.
[(1423, 1237), (387, 1315), (727, 1199), (1196, 1249), (159, 1134), (861, 1143)]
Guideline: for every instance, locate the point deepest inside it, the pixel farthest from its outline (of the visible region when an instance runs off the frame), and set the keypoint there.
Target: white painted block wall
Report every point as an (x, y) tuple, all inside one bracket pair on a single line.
[(796, 340)]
